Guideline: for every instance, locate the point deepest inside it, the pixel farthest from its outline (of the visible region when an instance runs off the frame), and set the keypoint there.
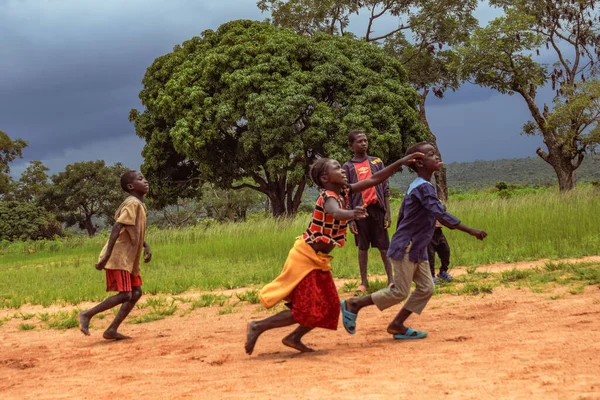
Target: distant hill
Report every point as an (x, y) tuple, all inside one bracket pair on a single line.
[(483, 174)]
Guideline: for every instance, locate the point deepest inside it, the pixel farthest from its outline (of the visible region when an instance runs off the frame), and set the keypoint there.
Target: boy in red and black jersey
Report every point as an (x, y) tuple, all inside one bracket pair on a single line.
[(371, 231)]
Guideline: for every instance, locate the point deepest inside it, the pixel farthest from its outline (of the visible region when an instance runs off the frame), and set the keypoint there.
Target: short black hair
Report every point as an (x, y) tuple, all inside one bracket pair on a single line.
[(417, 147), (127, 178), (353, 134), (318, 168)]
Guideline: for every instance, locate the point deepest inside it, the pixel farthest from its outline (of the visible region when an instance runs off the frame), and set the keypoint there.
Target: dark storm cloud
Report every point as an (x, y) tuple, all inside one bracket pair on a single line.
[(72, 69)]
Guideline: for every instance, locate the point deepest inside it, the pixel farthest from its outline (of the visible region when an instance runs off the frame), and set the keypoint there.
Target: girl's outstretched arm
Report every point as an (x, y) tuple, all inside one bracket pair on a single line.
[(333, 208), (385, 173)]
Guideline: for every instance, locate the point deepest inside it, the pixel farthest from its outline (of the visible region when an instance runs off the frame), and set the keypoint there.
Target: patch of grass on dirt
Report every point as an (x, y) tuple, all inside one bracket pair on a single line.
[(25, 316), (349, 287), (208, 300), (516, 275), (375, 285), (182, 299), (160, 307), (250, 296), (230, 309), (63, 320), (474, 289), (26, 327)]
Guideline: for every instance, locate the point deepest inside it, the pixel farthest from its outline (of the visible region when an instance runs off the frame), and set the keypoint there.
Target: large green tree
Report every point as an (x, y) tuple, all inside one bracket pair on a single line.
[(32, 183), (85, 190), (423, 39), (9, 151), (252, 101), (502, 56)]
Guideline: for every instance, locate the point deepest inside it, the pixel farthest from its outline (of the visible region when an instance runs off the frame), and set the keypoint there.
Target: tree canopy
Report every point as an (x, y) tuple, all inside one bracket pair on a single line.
[(9, 151), (252, 101), (33, 182), (422, 40), (85, 190), (502, 56)]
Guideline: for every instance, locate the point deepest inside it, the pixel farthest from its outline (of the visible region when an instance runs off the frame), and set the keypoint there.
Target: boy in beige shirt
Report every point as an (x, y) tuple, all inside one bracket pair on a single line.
[(120, 257)]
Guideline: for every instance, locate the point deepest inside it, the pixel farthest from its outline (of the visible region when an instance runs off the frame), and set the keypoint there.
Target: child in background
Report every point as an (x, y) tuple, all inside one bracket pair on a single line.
[(439, 245), (371, 231), (306, 281), (120, 257), (408, 251)]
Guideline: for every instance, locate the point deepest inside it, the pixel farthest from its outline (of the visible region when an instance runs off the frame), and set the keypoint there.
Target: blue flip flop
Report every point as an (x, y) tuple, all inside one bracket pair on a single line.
[(348, 319), (410, 334)]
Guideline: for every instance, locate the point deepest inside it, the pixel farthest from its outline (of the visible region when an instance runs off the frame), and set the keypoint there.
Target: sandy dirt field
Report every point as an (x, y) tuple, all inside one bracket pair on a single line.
[(512, 344)]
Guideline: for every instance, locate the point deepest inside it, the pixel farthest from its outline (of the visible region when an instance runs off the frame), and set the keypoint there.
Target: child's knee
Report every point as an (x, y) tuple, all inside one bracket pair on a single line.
[(126, 296), (136, 293), (427, 289), (398, 293)]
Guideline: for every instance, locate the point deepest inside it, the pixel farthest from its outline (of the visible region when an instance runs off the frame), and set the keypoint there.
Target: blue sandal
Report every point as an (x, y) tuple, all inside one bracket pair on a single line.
[(410, 334), (348, 319)]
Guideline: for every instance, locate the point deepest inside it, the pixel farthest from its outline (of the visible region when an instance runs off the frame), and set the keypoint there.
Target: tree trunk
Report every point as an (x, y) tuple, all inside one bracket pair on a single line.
[(441, 184), (293, 199), (563, 167), (277, 204), (564, 161), (89, 226)]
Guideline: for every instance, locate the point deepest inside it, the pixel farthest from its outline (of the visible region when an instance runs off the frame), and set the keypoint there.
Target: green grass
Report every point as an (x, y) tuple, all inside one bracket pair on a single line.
[(539, 280), (26, 327), (540, 224), (63, 320), (160, 307), (250, 296), (208, 300)]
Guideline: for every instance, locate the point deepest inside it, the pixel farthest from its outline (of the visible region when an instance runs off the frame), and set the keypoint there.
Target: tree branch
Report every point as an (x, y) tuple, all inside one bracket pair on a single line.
[(245, 185), (580, 157), (543, 154), (388, 34), (560, 56)]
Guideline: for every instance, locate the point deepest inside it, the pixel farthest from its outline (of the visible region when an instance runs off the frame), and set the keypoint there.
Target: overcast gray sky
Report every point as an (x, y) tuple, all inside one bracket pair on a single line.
[(71, 70)]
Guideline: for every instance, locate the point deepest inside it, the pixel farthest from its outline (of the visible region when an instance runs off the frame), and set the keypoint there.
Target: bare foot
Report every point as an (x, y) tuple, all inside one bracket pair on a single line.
[(84, 324), (294, 343), (252, 334), (114, 335)]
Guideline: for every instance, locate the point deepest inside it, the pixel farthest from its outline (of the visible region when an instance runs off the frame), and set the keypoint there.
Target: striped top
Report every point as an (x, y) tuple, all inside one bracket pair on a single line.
[(324, 227)]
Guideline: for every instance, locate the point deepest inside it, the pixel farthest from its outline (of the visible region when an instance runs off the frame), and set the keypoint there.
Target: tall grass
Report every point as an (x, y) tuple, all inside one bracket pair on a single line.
[(541, 224)]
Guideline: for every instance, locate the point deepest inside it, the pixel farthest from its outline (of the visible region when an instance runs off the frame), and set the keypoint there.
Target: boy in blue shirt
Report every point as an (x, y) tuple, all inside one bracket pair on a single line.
[(408, 250)]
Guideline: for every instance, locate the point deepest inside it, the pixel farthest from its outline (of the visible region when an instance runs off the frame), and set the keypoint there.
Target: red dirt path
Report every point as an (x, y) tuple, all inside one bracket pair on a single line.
[(510, 344)]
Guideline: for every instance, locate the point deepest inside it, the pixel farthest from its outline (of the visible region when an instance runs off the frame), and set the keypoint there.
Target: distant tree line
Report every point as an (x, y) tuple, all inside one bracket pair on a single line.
[(86, 195)]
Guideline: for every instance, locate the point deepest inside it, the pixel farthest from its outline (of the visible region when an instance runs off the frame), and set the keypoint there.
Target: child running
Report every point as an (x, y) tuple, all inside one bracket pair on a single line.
[(306, 281), (120, 257), (408, 251)]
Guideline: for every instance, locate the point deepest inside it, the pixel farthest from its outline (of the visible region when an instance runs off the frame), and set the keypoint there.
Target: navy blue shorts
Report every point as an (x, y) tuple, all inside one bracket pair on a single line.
[(371, 231)]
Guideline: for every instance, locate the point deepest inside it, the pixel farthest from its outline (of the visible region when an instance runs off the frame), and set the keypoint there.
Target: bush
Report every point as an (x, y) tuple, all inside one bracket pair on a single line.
[(23, 220)]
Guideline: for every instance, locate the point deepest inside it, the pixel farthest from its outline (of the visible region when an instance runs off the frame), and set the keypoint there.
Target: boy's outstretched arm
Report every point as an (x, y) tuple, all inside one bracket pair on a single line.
[(385, 173), (114, 234), (428, 198), (478, 233)]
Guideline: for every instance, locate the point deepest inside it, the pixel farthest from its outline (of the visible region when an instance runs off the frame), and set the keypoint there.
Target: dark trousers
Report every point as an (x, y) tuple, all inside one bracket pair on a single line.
[(438, 245)]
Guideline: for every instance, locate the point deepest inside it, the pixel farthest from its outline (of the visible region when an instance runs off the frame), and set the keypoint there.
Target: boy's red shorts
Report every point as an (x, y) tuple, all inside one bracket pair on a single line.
[(121, 281)]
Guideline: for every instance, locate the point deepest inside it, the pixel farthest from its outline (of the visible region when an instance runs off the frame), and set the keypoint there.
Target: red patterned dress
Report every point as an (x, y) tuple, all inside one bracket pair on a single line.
[(315, 301)]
